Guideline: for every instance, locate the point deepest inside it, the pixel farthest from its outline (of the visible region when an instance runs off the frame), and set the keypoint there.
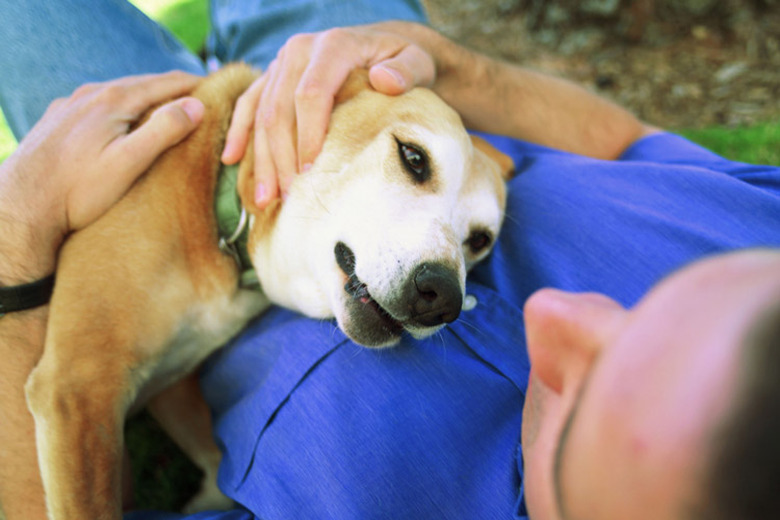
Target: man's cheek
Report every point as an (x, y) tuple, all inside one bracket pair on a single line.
[(543, 419)]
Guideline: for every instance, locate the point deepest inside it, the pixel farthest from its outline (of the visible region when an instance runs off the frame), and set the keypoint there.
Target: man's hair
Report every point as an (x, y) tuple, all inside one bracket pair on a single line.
[(742, 475)]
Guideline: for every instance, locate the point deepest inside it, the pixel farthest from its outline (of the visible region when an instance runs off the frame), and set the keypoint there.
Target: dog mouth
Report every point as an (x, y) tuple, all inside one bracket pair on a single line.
[(376, 325)]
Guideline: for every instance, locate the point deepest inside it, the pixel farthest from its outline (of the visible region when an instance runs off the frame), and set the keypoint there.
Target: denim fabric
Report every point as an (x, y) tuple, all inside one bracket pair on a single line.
[(254, 31), (50, 47)]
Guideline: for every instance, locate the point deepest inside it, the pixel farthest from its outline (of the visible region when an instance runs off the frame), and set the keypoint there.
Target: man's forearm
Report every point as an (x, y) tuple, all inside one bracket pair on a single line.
[(502, 98), (509, 100), (27, 253), (21, 344), (22, 336), (28, 242)]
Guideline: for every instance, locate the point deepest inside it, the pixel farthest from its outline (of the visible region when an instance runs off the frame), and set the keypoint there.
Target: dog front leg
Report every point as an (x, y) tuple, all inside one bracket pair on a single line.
[(79, 410)]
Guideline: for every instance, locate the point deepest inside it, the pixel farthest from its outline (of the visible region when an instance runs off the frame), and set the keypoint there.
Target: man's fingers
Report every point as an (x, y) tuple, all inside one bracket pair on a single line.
[(128, 156), (313, 115), (242, 122), (411, 67), (167, 125), (395, 66), (388, 80), (277, 117), (291, 106), (314, 99), (332, 59), (144, 91), (266, 180)]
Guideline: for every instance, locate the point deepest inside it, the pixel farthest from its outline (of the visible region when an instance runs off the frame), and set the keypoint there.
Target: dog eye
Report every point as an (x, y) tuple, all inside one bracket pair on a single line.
[(415, 161), (479, 241)]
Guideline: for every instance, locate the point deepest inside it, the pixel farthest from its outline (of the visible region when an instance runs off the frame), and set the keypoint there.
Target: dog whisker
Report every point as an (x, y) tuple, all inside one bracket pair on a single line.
[(471, 325), (511, 218), (317, 195)]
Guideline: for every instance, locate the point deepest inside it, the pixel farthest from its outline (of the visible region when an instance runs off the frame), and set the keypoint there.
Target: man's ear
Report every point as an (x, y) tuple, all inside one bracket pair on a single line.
[(505, 162)]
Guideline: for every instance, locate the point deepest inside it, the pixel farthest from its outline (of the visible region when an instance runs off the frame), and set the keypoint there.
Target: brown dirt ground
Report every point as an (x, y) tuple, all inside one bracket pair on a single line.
[(675, 70)]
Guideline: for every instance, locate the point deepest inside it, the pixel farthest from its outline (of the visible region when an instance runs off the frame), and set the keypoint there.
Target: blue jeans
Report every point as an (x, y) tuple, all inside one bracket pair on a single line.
[(50, 47)]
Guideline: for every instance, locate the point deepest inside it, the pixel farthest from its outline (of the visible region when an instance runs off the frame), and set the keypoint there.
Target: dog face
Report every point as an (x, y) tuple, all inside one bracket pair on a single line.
[(381, 231)]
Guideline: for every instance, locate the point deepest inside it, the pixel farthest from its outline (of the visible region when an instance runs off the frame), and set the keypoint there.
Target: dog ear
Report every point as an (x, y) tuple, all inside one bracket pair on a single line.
[(356, 82), (505, 163)]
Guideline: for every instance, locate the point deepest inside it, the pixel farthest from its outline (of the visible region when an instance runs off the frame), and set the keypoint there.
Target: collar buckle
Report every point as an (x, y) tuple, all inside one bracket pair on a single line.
[(228, 245)]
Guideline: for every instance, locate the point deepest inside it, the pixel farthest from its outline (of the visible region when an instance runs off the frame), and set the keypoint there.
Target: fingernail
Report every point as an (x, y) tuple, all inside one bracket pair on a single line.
[(395, 74), (306, 167), (193, 108), (227, 152), (260, 194)]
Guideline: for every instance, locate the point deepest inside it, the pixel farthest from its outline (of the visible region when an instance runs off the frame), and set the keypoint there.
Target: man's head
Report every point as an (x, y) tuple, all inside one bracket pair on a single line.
[(636, 413)]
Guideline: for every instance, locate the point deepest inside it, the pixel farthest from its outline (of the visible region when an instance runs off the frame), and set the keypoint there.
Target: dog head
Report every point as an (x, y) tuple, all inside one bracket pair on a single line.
[(381, 231)]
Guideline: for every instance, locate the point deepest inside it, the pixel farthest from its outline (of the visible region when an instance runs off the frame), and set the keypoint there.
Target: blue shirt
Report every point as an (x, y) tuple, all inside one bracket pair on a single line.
[(313, 426)]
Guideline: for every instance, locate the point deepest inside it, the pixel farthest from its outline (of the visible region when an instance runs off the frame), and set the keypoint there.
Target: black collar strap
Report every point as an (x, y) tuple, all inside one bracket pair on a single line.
[(27, 296), (233, 226)]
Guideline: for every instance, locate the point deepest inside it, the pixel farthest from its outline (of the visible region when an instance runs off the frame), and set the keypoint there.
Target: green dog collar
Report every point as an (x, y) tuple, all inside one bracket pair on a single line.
[(233, 223)]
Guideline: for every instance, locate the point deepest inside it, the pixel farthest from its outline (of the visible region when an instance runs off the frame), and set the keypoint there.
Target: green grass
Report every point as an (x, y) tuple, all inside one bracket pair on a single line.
[(758, 144), (7, 141), (188, 20), (164, 479)]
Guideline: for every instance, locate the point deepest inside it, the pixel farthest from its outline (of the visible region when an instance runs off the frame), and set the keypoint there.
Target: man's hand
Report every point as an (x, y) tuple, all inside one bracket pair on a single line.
[(289, 106), (83, 155), (79, 159)]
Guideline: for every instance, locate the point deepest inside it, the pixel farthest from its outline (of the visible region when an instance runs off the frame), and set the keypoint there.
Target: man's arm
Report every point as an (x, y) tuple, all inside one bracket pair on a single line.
[(502, 98), (289, 106), (26, 254), (72, 166)]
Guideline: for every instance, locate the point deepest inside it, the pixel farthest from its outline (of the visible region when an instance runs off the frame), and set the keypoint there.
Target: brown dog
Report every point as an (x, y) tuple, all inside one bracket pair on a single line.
[(378, 234)]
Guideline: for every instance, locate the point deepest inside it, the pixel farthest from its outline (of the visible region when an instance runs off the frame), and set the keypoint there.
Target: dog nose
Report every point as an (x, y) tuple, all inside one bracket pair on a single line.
[(434, 296)]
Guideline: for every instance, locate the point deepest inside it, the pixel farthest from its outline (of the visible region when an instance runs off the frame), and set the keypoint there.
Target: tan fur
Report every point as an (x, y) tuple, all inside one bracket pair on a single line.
[(125, 286), (355, 84), (505, 163), (144, 294)]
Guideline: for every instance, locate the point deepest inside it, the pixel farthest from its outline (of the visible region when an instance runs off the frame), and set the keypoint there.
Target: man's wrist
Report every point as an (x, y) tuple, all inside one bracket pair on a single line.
[(27, 264), (28, 252), (463, 78), (26, 296), (30, 238), (461, 75), (25, 258)]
